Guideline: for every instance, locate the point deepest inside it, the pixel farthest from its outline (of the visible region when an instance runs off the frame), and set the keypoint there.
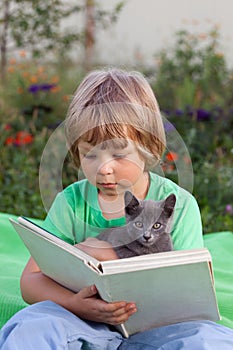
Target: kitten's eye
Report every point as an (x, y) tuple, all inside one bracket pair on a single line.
[(138, 224), (157, 225)]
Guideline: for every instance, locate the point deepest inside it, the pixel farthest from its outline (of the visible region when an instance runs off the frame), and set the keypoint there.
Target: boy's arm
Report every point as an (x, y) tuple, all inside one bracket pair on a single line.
[(35, 287), (100, 250)]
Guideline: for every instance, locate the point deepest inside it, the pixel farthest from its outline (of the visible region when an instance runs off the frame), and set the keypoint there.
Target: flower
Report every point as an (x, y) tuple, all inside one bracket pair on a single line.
[(22, 53), (33, 79), (65, 98), (229, 209), (55, 89), (9, 141), (21, 138), (167, 168), (34, 88), (47, 87), (7, 127), (40, 69), (179, 112), (203, 115), (11, 69), (19, 90), (169, 127), (171, 156), (55, 79), (12, 61)]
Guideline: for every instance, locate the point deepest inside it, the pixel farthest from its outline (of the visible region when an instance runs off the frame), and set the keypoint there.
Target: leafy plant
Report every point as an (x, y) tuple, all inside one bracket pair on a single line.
[(193, 72)]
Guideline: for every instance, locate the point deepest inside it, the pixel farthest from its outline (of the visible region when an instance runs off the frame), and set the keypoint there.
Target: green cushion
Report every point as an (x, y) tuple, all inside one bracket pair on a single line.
[(14, 255), (220, 245)]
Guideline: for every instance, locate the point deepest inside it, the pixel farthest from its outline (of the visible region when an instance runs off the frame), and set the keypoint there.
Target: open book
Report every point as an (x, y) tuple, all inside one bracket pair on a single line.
[(167, 287)]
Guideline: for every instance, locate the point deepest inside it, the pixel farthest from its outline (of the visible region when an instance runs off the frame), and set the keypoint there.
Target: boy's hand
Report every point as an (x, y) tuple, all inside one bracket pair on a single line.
[(87, 305), (98, 249)]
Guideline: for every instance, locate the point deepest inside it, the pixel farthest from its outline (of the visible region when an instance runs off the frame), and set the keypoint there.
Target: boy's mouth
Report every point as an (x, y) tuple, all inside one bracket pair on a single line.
[(107, 184)]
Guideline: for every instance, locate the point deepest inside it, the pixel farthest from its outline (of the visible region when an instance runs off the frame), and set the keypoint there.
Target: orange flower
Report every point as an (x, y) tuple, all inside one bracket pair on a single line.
[(171, 156), (11, 69), (55, 79), (55, 89), (19, 90), (40, 70), (12, 61), (22, 53), (66, 98), (33, 79), (25, 74)]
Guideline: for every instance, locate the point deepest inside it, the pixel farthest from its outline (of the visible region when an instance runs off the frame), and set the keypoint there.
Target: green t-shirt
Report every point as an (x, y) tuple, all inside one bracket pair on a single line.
[(75, 213)]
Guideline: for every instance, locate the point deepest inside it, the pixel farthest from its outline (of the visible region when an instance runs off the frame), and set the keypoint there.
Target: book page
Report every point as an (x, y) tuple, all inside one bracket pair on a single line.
[(151, 261)]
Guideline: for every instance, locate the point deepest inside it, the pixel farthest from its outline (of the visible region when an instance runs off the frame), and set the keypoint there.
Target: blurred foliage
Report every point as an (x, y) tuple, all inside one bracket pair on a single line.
[(33, 105), (51, 28), (193, 72), (194, 88)]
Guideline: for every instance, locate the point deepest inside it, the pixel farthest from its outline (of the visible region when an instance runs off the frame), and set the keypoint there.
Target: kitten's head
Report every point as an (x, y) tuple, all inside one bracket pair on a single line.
[(149, 221)]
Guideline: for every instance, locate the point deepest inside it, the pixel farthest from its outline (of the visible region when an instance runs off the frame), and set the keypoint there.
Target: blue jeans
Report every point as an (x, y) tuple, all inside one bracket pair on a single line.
[(48, 326)]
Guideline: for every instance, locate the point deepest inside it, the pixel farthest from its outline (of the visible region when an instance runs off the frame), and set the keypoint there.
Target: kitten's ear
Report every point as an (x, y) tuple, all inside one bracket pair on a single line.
[(132, 204), (169, 204)]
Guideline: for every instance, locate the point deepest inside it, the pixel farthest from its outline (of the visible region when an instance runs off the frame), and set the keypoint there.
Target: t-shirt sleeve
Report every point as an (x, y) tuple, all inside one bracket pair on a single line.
[(60, 219), (187, 228)]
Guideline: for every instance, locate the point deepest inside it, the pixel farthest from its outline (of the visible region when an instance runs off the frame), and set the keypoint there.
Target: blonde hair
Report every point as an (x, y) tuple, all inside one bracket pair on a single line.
[(111, 104)]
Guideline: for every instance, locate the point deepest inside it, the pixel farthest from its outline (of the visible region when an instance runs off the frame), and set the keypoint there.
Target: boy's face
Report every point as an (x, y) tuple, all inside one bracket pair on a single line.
[(113, 170)]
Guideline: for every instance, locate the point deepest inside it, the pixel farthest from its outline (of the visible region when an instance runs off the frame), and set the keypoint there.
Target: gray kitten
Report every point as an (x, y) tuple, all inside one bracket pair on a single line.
[(147, 230)]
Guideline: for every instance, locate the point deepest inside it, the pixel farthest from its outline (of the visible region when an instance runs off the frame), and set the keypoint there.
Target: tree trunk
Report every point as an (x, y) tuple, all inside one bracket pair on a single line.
[(3, 38), (89, 34)]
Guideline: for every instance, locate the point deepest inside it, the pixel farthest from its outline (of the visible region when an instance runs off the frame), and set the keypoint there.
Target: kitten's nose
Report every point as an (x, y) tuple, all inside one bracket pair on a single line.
[(147, 236)]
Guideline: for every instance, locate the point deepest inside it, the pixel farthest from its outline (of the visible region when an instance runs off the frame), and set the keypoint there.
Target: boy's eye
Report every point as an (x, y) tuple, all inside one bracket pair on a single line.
[(138, 224), (89, 156), (157, 225), (119, 156)]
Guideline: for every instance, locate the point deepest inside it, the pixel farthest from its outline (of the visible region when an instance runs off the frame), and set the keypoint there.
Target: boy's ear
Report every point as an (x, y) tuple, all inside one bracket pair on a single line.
[(132, 204)]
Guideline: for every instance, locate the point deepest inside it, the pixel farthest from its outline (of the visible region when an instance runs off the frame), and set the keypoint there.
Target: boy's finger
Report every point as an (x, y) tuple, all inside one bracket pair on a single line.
[(88, 292)]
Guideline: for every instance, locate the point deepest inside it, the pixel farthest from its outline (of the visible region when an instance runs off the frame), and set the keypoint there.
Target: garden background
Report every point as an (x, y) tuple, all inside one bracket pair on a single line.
[(191, 80)]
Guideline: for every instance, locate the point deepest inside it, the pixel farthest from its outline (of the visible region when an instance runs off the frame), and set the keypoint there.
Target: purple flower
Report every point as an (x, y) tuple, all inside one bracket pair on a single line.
[(46, 87), (169, 127), (179, 112), (34, 88), (229, 209), (203, 115), (166, 111)]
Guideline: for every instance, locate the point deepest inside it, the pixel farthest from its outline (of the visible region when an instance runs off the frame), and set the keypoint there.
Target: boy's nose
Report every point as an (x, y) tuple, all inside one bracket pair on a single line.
[(105, 168)]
